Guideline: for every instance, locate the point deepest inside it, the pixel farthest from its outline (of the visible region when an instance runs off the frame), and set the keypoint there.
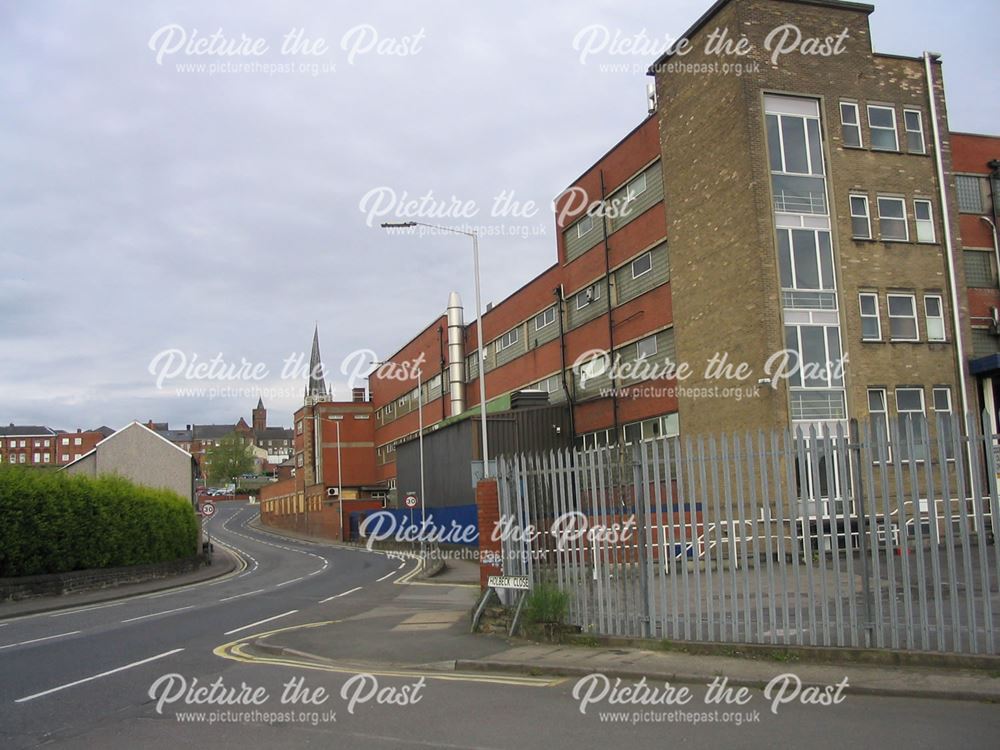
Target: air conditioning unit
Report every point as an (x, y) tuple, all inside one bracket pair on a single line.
[(332, 492)]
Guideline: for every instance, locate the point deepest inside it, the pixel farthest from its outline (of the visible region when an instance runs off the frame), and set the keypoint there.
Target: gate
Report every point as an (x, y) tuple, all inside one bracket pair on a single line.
[(878, 535)]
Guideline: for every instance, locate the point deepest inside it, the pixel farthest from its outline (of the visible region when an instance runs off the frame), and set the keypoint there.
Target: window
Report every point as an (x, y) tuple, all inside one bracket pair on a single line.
[(805, 259), (979, 271), (584, 225), (850, 124), (24, 456), (970, 195), (795, 151), (879, 413), (64, 457), (646, 347), (892, 219), (642, 264), (913, 123), (903, 317), (635, 188), (910, 407), (861, 223), (545, 318), (934, 311), (871, 325), (594, 368), (883, 126), (942, 409), (45, 458), (76, 441), (585, 296), (35, 458), (507, 340), (817, 349), (922, 212), (65, 441)]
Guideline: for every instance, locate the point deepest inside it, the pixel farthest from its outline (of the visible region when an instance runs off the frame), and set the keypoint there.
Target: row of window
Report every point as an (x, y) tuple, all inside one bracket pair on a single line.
[(38, 458), (17, 443), (911, 409), (642, 431), (883, 130), (902, 317), (974, 193), (894, 225), (632, 190)]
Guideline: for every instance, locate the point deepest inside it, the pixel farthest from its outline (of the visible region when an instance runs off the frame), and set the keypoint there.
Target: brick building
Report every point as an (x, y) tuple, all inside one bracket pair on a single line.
[(27, 445), (814, 211), (334, 474), (811, 207)]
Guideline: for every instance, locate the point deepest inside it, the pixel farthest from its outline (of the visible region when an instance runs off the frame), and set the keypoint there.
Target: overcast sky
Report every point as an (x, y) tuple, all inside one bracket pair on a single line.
[(146, 208)]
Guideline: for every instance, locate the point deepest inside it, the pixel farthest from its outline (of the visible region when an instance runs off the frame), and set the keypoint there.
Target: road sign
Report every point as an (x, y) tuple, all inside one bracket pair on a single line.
[(207, 510), (410, 500), (509, 582)]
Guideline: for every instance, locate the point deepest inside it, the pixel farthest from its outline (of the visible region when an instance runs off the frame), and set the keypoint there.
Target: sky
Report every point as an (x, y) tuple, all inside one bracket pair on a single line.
[(161, 210)]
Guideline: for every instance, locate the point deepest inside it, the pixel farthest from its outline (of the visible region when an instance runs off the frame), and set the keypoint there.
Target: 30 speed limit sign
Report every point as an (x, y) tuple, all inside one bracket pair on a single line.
[(207, 510), (410, 501)]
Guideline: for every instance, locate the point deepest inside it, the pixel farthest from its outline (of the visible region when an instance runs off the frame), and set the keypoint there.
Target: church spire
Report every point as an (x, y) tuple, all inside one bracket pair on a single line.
[(317, 390)]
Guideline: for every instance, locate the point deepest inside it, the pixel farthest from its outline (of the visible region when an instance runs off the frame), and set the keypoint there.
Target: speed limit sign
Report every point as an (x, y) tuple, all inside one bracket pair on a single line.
[(207, 510), (410, 500)]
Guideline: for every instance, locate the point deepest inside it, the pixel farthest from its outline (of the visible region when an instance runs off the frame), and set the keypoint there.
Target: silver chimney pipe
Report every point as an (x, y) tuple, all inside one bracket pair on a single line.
[(456, 354)]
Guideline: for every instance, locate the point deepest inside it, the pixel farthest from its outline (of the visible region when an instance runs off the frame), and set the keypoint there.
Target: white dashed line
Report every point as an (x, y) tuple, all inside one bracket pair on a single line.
[(387, 575), (285, 583), (337, 596), (154, 614), (39, 640), (260, 622), (98, 676), (86, 609), (248, 593)]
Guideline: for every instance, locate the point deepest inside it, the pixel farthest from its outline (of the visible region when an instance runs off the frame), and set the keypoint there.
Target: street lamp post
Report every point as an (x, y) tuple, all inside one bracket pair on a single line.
[(479, 324)]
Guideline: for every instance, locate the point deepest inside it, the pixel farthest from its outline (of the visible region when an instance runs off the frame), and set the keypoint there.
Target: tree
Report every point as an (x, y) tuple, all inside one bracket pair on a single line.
[(230, 458)]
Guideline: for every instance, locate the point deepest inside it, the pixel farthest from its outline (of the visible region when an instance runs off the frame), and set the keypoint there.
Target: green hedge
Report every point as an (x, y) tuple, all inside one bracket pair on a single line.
[(51, 522)]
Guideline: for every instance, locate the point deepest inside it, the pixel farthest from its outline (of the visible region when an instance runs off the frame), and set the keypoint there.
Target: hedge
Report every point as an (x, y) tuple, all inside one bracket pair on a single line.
[(53, 522)]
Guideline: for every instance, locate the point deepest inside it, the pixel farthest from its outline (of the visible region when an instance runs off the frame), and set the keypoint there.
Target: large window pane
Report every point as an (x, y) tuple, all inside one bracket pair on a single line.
[(806, 265), (774, 143), (785, 259), (815, 147), (793, 132)]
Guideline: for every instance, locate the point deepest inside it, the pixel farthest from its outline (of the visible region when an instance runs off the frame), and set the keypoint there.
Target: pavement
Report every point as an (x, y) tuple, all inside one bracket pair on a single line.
[(224, 562)]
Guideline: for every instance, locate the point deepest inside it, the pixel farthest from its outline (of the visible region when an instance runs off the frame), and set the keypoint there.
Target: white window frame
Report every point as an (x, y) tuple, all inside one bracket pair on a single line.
[(883, 415), (920, 130), (647, 255), (631, 190), (589, 221), (867, 216), (639, 345), (548, 317), (927, 223), (939, 318), (856, 125), (915, 317), (901, 414), (595, 295), (895, 127), (508, 339), (905, 219), (877, 316)]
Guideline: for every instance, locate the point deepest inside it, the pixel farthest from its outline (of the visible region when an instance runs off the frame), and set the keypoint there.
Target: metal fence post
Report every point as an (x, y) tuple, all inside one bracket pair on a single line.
[(641, 530), (856, 456)]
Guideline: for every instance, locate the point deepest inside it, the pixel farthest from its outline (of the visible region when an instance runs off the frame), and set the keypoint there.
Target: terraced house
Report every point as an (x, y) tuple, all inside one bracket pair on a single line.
[(812, 216)]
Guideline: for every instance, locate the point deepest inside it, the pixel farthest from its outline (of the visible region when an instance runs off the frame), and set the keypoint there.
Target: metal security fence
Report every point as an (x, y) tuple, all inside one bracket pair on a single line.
[(873, 535)]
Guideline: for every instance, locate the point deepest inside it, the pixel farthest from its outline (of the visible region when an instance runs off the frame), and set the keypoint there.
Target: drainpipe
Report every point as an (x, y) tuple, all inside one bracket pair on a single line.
[(441, 370), (560, 301), (611, 325), (929, 59)]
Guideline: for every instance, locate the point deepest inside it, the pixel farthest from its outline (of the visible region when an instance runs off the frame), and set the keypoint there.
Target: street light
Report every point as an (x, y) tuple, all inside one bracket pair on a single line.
[(479, 323)]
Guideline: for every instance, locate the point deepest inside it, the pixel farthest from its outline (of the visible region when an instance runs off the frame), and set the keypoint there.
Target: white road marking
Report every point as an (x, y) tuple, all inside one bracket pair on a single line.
[(387, 575), (260, 622), (86, 609), (337, 596), (285, 583), (248, 593), (401, 565), (98, 676), (154, 614), (39, 640)]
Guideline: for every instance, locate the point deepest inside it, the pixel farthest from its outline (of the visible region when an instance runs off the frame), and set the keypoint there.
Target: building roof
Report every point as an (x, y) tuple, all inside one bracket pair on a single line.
[(14, 430), (720, 4), (274, 433)]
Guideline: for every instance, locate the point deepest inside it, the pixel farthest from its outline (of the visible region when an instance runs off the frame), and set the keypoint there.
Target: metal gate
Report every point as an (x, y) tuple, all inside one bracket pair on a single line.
[(868, 535)]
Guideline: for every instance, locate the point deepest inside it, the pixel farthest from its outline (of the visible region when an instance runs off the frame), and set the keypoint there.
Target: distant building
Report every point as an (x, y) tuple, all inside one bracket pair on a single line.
[(32, 445), (140, 455)]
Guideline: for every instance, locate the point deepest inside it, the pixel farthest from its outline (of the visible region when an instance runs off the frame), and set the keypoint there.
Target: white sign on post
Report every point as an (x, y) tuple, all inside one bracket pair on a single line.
[(521, 583), (410, 501)]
